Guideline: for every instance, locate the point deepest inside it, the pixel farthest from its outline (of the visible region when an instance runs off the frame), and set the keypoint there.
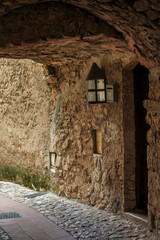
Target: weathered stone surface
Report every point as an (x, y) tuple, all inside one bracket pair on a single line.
[(39, 33), (42, 21), (63, 141), (25, 114), (152, 105), (133, 19), (153, 150), (92, 175), (141, 6)]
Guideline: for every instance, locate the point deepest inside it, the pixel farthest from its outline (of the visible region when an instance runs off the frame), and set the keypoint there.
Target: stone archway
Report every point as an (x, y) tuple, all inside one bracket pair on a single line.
[(42, 31), (135, 91)]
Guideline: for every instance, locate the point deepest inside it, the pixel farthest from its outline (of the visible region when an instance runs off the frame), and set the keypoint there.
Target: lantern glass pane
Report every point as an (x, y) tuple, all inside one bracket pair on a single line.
[(91, 97), (91, 84), (101, 96), (100, 84)]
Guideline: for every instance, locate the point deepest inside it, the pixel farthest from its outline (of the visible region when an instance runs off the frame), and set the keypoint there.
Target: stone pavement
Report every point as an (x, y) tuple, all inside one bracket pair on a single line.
[(4, 235), (28, 223), (80, 220)]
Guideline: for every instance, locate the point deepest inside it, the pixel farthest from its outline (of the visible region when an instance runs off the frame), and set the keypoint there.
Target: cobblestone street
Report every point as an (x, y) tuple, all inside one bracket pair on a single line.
[(80, 220), (4, 235)]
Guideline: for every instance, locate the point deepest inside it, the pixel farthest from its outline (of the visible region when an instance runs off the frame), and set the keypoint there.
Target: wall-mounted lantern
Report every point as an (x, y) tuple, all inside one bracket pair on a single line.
[(96, 85)]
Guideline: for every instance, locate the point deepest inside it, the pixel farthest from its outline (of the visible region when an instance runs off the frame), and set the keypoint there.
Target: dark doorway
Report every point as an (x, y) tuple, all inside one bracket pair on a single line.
[(141, 90)]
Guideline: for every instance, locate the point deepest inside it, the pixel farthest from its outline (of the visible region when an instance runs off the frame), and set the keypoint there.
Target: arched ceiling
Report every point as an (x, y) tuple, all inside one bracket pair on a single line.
[(53, 30)]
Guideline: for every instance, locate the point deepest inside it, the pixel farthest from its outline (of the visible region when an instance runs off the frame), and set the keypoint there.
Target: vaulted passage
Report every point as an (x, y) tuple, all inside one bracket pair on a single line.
[(51, 137), (55, 33), (45, 30), (141, 89)]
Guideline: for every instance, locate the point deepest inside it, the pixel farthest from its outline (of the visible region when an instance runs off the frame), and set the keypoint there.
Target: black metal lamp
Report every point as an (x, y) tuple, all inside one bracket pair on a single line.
[(96, 85)]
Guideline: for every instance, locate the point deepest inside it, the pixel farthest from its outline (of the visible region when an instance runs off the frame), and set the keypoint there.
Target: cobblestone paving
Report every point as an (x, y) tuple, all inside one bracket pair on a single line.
[(4, 235), (82, 221)]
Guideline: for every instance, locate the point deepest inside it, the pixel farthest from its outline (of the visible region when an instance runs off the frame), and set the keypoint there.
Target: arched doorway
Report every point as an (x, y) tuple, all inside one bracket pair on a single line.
[(135, 91)]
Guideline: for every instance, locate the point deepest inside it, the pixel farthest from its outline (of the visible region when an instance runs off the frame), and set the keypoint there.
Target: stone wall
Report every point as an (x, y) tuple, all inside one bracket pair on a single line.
[(153, 151), (47, 122), (54, 129), (101, 180), (93, 178), (25, 114)]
